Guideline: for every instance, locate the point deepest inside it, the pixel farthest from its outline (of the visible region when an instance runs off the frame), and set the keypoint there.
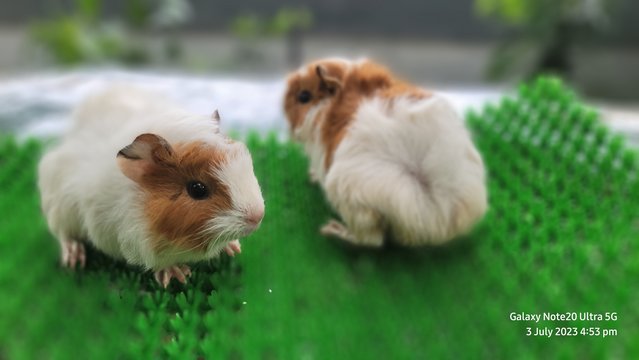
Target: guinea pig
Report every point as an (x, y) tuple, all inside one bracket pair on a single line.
[(147, 182), (394, 160)]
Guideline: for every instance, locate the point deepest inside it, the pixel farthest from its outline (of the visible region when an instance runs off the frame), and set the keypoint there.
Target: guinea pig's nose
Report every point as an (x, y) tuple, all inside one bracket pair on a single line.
[(254, 216)]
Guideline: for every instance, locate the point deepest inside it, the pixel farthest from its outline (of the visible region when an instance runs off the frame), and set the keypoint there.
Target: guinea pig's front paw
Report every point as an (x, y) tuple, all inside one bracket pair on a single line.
[(233, 247), (180, 272), (73, 254)]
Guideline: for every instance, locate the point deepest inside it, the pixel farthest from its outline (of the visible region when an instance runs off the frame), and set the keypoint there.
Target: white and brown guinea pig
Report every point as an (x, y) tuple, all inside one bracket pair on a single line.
[(391, 157), (145, 181)]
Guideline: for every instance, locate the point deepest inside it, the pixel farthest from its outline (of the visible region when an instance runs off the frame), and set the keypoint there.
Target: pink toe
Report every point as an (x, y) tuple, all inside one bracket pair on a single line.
[(166, 278), (179, 274), (229, 250)]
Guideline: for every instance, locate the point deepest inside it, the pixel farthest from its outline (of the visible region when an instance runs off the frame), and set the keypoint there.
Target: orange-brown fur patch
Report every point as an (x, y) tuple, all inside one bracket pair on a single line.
[(311, 82), (172, 213), (364, 80)]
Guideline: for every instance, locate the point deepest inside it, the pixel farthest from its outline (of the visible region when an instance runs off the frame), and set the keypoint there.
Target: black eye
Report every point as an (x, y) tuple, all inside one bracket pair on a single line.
[(197, 190), (304, 96)]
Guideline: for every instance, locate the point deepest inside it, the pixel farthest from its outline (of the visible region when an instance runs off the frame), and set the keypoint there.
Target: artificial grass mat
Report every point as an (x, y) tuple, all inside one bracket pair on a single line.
[(560, 236)]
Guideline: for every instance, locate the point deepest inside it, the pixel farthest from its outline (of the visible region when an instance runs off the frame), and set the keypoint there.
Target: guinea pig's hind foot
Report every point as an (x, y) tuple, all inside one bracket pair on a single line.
[(233, 248), (313, 178), (336, 229), (180, 272), (73, 254)]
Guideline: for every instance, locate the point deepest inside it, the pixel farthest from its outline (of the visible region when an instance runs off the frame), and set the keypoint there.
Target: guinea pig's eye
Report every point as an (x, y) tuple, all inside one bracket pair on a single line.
[(304, 96), (197, 190)]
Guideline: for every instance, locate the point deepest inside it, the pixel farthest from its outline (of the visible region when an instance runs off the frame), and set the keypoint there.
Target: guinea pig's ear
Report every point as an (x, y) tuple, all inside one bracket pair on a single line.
[(145, 152), (328, 82), (216, 119)]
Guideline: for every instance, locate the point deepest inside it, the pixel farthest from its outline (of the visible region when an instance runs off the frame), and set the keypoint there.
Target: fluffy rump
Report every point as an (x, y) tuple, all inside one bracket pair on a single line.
[(413, 163)]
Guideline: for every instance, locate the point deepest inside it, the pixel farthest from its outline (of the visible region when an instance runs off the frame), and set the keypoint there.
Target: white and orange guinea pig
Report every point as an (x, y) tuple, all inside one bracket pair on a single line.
[(147, 182), (392, 158)]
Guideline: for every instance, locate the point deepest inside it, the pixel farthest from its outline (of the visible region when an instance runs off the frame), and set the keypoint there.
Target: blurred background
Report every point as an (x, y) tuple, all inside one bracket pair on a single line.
[(474, 49)]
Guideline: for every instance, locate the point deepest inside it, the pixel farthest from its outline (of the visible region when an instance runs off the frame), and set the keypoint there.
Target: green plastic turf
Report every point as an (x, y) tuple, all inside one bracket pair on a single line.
[(561, 236)]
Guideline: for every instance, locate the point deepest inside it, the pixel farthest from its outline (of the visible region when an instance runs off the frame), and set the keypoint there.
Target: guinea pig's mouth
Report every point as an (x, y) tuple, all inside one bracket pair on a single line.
[(228, 227), (248, 229)]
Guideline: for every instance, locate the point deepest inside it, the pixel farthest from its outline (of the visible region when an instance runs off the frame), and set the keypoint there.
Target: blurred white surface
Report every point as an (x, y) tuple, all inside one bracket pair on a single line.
[(41, 105)]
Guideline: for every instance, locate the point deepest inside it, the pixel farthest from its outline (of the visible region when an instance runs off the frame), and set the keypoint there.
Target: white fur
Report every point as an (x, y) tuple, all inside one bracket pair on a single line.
[(243, 188), (410, 167), (86, 197), (245, 193), (303, 71)]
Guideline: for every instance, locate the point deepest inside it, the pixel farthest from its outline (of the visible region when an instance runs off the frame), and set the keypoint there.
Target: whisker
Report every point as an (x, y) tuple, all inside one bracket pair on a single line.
[(183, 251)]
